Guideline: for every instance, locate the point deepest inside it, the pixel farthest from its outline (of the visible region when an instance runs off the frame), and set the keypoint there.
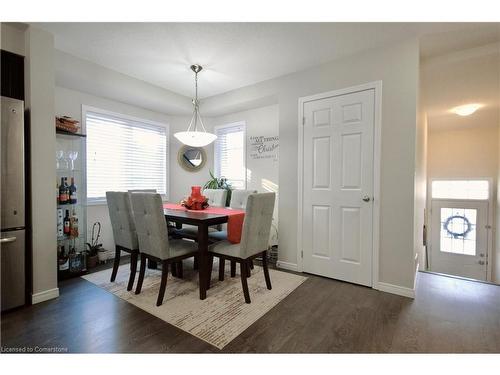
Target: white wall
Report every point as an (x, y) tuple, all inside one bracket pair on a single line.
[(262, 174), (397, 67), (12, 38), (39, 81), (463, 153)]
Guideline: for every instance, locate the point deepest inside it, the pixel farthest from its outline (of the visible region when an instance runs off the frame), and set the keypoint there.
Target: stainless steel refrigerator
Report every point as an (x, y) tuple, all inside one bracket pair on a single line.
[(12, 242)]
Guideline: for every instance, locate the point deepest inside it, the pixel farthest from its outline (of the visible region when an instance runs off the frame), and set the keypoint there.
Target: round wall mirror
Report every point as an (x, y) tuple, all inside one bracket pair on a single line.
[(191, 159)]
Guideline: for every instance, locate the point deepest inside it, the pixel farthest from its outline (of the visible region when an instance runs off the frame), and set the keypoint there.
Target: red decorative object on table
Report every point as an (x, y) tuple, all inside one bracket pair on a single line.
[(195, 201)]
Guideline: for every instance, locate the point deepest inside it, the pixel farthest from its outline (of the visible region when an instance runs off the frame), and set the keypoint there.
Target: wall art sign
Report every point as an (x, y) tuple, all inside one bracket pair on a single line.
[(262, 147)]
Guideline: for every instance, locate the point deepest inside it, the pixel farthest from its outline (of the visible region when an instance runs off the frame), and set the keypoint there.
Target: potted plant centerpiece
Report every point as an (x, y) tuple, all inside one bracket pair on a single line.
[(219, 183)]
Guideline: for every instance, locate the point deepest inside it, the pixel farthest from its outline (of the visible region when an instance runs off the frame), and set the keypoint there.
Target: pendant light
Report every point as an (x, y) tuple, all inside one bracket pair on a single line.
[(193, 136)]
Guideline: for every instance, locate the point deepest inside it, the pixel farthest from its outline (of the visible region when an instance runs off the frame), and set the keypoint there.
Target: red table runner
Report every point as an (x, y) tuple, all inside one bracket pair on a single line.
[(235, 218)]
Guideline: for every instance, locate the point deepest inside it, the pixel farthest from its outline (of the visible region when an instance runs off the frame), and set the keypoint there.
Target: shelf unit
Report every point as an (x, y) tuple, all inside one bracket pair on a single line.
[(66, 142)]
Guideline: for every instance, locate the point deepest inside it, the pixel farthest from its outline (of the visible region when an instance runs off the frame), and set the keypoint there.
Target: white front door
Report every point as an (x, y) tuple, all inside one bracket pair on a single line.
[(338, 186), (459, 244)]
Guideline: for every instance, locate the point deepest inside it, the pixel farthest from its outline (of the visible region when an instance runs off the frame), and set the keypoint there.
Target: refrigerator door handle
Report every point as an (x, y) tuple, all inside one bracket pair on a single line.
[(8, 239)]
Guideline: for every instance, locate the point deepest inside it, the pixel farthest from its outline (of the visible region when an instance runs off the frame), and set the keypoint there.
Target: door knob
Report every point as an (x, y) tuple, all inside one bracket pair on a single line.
[(481, 262), (366, 198)]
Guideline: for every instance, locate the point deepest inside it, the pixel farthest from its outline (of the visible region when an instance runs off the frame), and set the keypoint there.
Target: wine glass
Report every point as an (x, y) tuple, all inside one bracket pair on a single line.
[(59, 157), (72, 155)]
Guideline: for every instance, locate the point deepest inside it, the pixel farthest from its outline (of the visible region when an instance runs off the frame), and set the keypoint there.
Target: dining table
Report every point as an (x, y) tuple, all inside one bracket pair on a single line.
[(202, 220)]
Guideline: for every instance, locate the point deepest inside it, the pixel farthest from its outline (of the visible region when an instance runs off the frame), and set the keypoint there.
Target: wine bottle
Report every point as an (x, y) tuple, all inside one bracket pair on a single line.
[(66, 224), (66, 190), (57, 191), (62, 192), (74, 225), (72, 191)]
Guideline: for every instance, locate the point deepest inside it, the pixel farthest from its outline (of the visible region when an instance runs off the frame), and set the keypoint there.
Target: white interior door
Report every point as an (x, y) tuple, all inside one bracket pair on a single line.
[(459, 244), (338, 186)]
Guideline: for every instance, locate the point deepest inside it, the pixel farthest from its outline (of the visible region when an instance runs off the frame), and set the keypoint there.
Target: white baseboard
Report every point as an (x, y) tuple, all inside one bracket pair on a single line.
[(287, 266), (44, 296), (396, 289)]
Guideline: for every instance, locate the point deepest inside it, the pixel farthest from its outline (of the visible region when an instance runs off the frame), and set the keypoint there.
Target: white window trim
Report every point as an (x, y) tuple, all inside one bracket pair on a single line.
[(87, 108), (230, 125)]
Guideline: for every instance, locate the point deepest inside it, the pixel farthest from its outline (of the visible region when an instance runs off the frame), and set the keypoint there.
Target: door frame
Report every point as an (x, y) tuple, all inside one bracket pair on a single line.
[(491, 217), (377, 136)]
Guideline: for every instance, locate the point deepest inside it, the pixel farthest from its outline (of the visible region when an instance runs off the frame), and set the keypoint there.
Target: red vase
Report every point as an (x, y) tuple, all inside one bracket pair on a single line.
[(196, 201), (196, 192)]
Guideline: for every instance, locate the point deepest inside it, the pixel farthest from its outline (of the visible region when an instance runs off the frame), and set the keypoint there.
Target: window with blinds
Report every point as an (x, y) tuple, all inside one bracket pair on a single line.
[(124, 154), (229, 149)]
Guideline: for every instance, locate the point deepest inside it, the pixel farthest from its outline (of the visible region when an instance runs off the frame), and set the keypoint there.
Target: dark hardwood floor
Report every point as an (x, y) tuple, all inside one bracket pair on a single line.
[(321, 316)]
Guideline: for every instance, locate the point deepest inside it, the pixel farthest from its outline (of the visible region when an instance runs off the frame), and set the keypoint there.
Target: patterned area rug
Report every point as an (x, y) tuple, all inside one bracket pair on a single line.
[(218, 319)]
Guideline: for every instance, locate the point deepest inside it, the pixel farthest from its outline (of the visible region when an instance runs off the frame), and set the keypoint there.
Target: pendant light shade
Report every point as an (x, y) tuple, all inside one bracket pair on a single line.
[(193, 136)]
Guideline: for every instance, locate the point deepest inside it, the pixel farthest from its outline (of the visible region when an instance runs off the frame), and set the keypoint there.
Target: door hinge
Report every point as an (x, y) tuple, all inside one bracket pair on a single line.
[(303, 121), (302, 253)]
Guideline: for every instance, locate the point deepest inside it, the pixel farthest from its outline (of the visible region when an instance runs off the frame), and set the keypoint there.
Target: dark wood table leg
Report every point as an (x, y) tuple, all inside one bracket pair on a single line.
[(203, 259), (152, 265)]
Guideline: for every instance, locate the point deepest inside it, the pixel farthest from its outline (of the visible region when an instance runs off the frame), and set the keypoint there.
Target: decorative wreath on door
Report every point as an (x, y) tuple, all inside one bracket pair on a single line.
[(467, 225)]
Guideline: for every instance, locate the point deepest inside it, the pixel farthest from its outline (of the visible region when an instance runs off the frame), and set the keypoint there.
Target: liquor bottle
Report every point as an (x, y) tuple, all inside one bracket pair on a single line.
[(66, 224), (62, 192), (73, 225), (66, 190), (72, 191)]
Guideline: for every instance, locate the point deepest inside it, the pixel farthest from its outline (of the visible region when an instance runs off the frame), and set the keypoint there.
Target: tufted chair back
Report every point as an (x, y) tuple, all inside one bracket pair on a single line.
[(151, 224), (216, 197), (122, 219), (239, 198), (257, 224)]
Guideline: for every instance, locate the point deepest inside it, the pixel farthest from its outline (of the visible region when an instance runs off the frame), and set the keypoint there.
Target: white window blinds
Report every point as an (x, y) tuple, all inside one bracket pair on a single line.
[(124, 154), (229, 148)]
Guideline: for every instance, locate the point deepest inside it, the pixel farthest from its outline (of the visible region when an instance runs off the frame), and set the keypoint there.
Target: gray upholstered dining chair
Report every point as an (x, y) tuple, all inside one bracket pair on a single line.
[(254, 239), (239, 198), (216, 197), (238, 201), (153, 239), (124, 232)]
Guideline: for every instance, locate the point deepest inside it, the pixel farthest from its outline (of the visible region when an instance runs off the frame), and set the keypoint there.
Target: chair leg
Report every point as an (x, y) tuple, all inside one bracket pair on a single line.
[(222, 264), (210, 267), (233, 268), (133, 269), (163, 285), (116, 264), (251, 264), (142, 270), (195, 263), (266, 270), (244, 284), (173, 267), (180, 270)]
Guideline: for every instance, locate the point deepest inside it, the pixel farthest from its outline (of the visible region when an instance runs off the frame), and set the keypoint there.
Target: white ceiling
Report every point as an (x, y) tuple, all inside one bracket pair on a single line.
[(468, 76), (235, 55)]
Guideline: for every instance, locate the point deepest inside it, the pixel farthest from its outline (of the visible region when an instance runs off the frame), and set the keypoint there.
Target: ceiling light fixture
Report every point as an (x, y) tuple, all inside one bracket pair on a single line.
[(192, 136), (466, 109)]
